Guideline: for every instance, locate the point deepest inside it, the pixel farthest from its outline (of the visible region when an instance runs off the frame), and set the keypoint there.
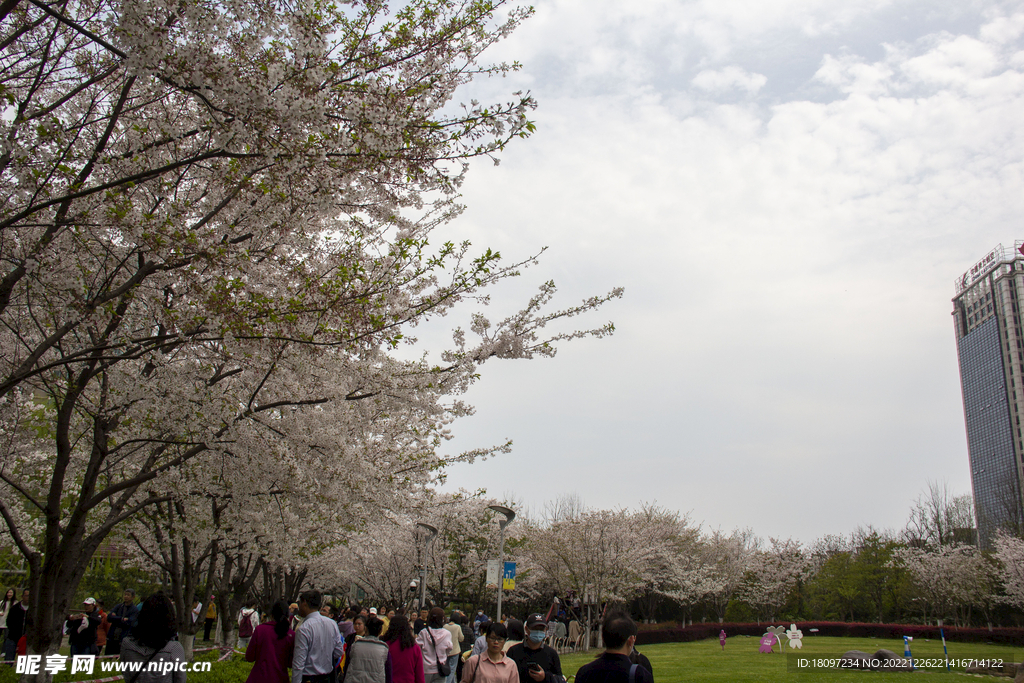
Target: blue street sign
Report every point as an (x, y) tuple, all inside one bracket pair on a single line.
[(508, 577)]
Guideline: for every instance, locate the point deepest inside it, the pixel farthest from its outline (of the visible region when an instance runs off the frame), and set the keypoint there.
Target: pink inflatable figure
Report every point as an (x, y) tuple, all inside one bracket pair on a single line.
[(721, 638), (771, 636)]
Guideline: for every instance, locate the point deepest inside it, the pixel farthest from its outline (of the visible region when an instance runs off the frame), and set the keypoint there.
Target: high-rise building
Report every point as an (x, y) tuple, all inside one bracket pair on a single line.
[(990, 345)]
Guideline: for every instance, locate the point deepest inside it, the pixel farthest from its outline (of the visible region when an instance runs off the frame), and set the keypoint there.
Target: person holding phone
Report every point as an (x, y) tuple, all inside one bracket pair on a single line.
[(537, 662)]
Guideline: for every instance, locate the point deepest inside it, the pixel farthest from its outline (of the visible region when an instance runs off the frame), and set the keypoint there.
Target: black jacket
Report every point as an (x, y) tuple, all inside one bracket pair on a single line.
[(545, 656), (87, 636), (122, 620), (611, 668), (17, 617)]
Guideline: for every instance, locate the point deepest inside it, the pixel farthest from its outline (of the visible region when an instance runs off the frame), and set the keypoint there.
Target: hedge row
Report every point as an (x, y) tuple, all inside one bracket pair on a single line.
[(1003, 636)]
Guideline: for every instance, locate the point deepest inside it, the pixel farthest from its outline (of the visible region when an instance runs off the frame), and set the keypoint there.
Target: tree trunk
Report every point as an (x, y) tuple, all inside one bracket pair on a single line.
[(53, 582), (234, 583), (187, 644)]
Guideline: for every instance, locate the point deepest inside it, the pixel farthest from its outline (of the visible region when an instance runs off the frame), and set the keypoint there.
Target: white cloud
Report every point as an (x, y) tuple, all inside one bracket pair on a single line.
[(788, 262), (1003, 29), (954, 61), (729, 78), (608, 43)]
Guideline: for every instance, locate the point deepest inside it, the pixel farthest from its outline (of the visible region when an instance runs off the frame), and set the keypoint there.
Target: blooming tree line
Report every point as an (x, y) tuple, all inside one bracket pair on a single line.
[(219, 222), (665, 567)]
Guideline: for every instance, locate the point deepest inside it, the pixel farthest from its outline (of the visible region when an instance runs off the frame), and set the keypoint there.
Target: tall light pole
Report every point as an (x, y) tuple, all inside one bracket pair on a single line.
[(509, 516), (431, 532)]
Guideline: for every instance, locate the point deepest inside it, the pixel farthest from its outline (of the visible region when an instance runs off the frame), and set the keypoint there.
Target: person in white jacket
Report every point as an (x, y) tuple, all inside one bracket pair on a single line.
[(248, 620)]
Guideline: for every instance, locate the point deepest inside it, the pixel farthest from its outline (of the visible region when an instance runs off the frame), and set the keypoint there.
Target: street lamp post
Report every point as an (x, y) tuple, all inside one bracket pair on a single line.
[(509, 516), (431, 532)]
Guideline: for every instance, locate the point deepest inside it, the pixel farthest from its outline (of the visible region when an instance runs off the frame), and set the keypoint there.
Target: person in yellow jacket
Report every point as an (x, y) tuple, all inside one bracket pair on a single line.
[(211, 618)]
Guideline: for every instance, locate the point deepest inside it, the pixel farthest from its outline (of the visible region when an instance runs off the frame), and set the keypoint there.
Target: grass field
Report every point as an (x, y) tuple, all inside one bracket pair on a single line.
[(741, 662), (705, 661)]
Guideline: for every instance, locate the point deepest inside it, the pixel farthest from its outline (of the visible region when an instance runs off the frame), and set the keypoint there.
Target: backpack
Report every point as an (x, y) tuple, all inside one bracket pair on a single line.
[(245, 629)]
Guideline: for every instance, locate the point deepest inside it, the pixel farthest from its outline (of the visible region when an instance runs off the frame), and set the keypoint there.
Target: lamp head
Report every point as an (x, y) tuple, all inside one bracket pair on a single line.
[(508, 512)]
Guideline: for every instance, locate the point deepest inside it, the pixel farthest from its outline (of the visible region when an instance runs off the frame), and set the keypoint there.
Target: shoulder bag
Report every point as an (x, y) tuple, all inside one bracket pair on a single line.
[(442, 665), (472, 678)]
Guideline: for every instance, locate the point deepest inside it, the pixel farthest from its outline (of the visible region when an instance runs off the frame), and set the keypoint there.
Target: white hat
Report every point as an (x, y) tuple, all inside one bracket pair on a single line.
[(89, 601), (373, 610)]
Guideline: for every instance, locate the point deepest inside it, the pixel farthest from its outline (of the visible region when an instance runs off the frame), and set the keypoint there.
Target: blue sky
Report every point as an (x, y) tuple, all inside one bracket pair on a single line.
[(787, 189)]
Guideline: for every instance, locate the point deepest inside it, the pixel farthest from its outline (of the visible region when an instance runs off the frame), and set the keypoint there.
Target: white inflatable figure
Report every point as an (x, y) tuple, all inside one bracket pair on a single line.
[(778, 632), (795, 636)]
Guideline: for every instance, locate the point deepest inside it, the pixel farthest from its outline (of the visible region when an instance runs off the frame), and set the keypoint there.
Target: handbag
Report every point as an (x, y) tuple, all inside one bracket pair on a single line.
[(442, 665)]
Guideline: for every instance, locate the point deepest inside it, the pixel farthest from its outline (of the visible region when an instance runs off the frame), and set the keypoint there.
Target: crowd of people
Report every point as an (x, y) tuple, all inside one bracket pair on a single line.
[(310, 641), (429, 646), (358, 645), (90, 630), (145, 633)]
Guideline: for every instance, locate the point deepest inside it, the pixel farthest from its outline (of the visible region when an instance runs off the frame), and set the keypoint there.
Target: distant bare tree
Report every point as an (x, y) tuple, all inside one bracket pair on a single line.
[(937, 515), (564, 508)]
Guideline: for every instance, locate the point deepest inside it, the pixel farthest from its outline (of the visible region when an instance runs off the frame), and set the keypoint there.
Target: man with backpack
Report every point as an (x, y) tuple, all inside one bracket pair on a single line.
[(614, 666), (248, 620)]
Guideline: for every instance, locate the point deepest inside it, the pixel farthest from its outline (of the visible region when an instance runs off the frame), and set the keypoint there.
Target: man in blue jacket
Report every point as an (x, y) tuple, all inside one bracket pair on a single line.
[(122, 620)]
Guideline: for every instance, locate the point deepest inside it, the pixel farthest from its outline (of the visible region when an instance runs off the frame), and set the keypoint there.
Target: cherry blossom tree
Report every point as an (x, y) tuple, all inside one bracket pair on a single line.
[(1009, 551), (617, 552), (172, 537), (950, 579), (216, 223), (729, 558), (385, 558), (382, 561), (467, 536), (677, 570), (589, 549), (773, 574)]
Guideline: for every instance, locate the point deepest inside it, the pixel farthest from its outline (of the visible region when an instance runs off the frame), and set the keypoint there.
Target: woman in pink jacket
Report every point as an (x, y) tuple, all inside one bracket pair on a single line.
[(271, 647), (436, 643), (406, 656)]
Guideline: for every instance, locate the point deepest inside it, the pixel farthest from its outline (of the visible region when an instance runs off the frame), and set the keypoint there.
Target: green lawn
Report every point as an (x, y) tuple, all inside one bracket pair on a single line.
[(741, 662), (705, 661)]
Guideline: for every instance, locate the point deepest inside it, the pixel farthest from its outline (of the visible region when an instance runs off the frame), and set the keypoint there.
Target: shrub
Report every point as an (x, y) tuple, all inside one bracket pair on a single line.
[(1002, 636)]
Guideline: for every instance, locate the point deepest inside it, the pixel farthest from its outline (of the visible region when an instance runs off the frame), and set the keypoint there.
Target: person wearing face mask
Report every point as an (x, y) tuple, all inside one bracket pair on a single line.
[(614, 665), (537, 662)]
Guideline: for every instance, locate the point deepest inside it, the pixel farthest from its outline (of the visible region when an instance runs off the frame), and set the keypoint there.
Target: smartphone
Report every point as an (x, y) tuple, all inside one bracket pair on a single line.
[(534, 666)]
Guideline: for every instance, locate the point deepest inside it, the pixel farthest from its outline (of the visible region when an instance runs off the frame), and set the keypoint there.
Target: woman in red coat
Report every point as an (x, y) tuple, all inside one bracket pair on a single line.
[(406, 656), (271, 647)]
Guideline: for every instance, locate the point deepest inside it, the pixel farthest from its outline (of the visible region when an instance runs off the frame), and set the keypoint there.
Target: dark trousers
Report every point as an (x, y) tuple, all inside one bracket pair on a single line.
[(83, 649), (207, 626), (10, 649), (113, 646), (321, 678)]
